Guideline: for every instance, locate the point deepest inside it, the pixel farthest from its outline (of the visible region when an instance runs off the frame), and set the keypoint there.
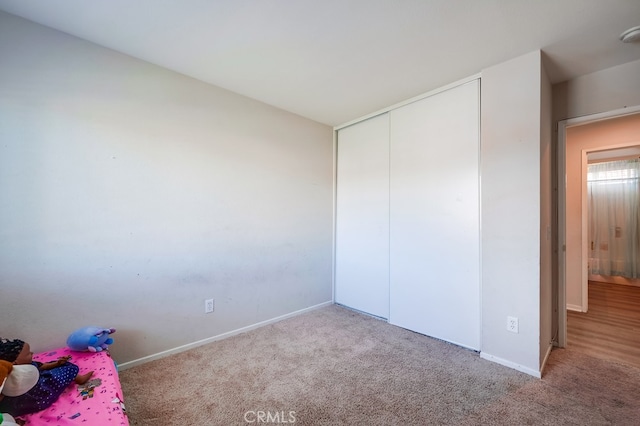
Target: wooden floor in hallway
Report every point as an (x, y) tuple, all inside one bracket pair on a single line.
[(611, 327)]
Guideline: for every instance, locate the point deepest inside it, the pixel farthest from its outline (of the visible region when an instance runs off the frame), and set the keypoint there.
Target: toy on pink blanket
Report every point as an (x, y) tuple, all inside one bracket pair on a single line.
[(92, 339)]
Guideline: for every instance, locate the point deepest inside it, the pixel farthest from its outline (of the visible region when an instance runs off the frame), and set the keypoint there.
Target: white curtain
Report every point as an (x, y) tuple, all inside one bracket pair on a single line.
[(614, 218)]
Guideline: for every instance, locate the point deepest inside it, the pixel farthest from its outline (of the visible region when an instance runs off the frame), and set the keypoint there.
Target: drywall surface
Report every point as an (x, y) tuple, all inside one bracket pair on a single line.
[(607, 90), (130, 194), (511, 208)]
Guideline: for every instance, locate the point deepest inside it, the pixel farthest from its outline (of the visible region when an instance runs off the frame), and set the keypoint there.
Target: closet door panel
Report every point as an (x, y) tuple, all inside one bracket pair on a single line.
[(362, 217), (434, 216)]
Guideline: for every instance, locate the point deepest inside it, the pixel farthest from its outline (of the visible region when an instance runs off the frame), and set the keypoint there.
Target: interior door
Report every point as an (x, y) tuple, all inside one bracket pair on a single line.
[(362, 217), (435, 216)]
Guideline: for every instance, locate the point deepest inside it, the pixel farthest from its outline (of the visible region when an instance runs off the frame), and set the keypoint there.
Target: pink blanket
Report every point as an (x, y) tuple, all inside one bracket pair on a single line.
[(98, 402)]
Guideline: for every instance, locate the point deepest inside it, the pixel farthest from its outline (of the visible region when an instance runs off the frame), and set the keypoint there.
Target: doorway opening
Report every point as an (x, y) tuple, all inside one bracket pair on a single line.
[(573, 241)]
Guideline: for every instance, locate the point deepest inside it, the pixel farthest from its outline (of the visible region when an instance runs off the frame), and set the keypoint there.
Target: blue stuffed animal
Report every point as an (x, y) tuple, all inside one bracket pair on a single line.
[(92, 339)]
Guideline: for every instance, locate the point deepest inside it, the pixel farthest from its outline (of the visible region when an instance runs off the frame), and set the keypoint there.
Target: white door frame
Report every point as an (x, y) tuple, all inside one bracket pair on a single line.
[(562, 211)]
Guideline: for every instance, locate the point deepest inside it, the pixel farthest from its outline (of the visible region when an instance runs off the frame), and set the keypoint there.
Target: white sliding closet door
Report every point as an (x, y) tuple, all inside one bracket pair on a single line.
[(434, 216), (362, 218)]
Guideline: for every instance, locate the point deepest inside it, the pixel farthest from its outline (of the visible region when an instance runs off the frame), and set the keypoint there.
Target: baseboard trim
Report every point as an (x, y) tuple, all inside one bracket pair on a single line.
[(510, 364), (576, 308), (149, 358)]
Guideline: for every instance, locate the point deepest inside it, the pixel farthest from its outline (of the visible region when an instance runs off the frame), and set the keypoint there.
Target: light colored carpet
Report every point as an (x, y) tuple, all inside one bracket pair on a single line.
[(333, 366)]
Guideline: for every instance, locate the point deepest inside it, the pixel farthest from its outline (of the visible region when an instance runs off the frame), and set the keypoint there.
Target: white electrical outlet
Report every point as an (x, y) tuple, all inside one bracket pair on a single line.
[(208, 306), (512, 324)]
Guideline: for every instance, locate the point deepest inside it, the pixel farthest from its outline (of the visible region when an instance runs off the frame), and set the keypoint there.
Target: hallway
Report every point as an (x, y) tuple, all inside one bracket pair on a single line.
[(611, 328)]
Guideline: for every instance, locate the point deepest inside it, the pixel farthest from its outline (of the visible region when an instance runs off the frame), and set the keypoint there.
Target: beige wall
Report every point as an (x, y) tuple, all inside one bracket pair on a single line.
[(616, 132), (513, 143), (607, 90), (131, 193)]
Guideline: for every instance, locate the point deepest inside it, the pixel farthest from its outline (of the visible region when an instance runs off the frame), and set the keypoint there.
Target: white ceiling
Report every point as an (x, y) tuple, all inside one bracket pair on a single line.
[(336, 60)]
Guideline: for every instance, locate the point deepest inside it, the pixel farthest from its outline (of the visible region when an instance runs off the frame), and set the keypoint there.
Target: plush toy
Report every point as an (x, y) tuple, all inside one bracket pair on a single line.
[(92, 339), (15, 380), (7, 420)]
